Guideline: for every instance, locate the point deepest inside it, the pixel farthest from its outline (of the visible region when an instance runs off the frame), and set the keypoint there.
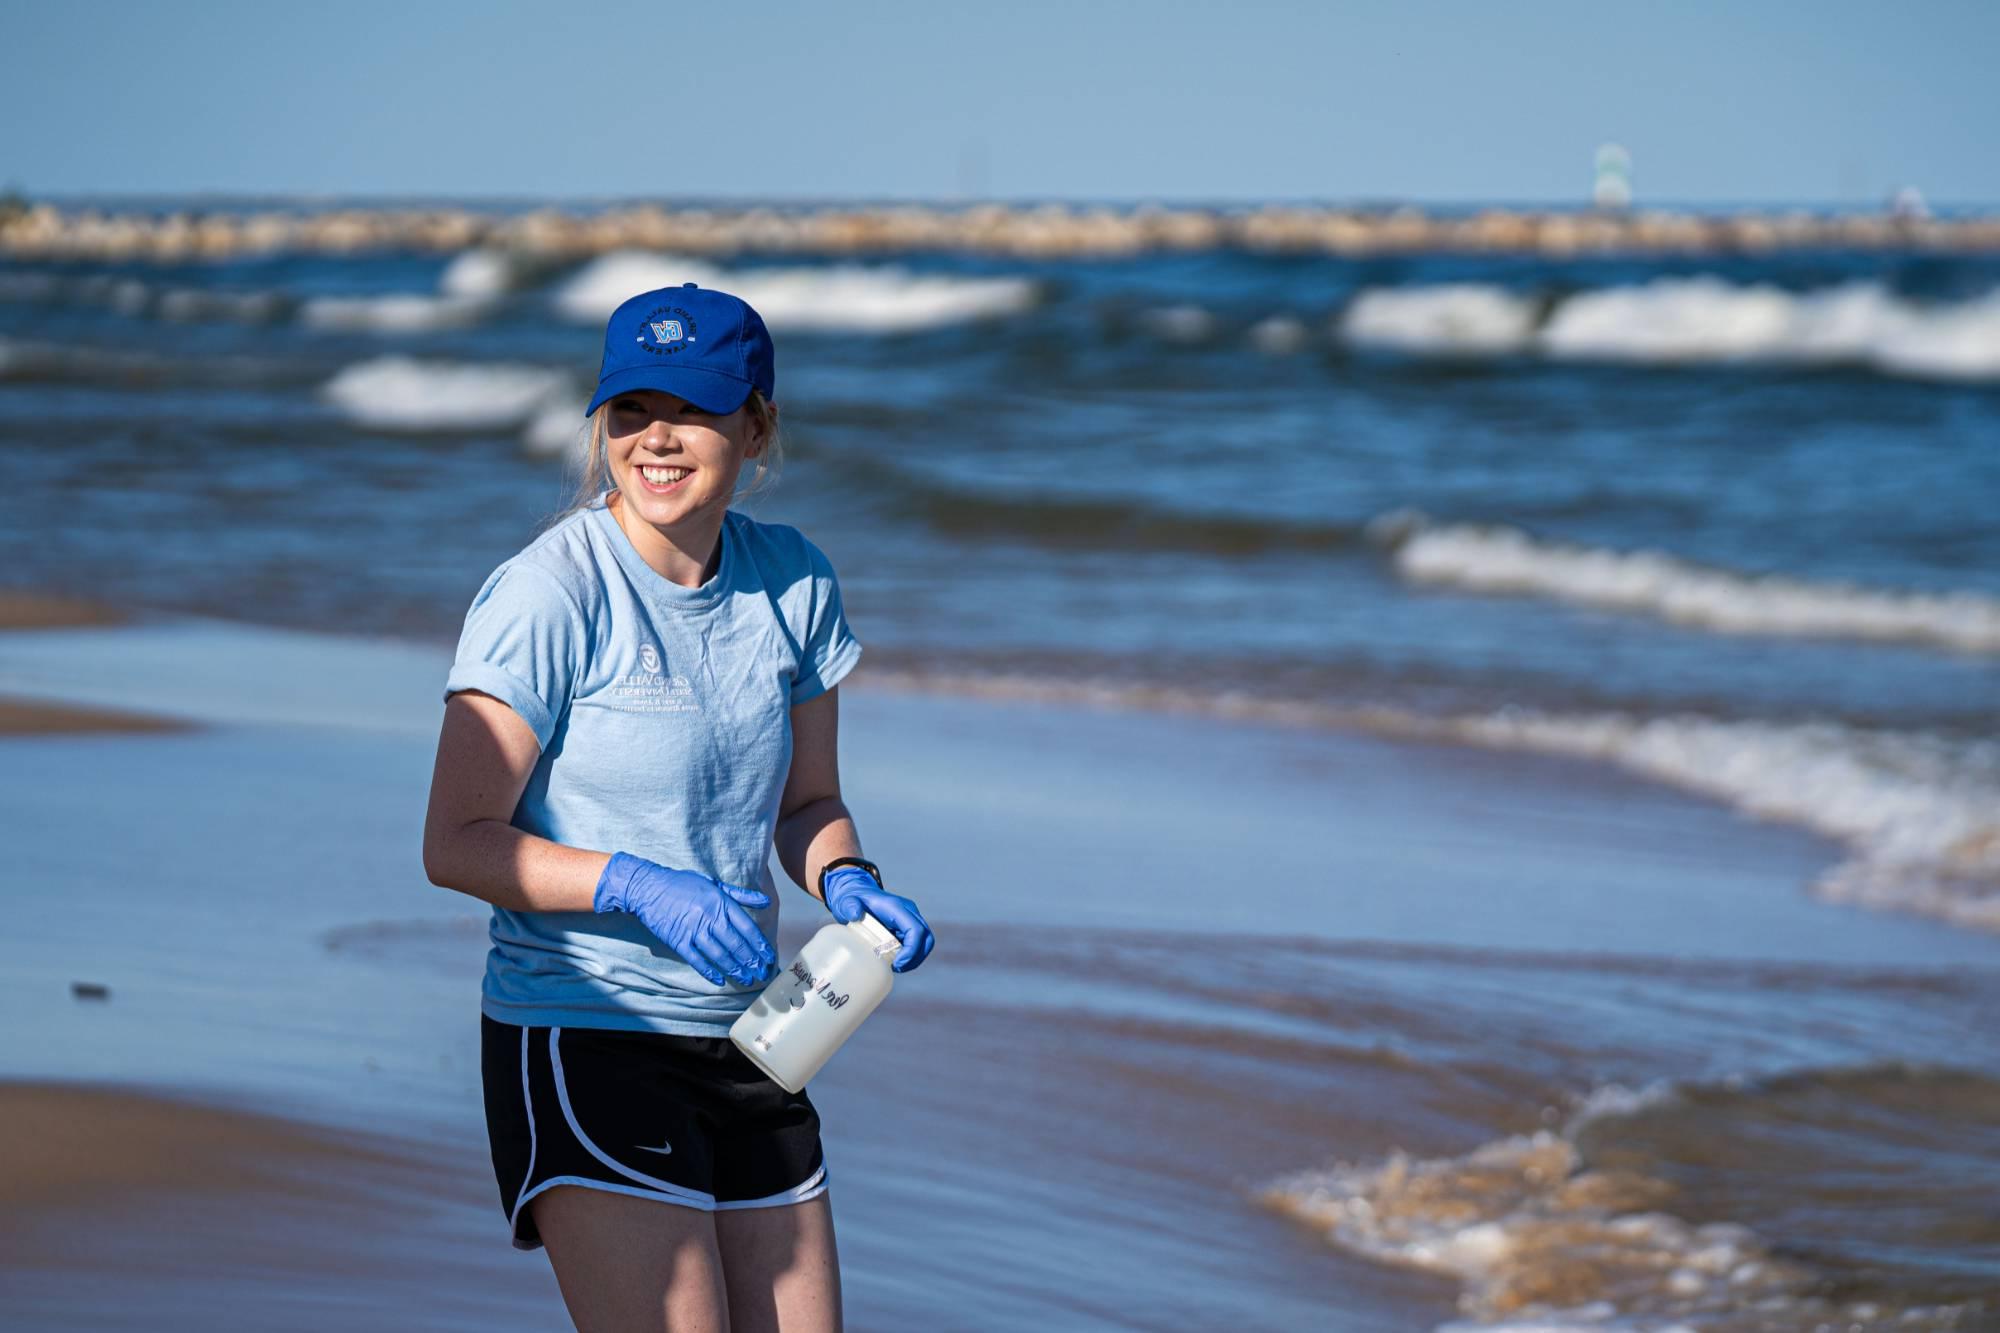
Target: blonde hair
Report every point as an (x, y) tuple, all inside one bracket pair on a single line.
[(595, 476)]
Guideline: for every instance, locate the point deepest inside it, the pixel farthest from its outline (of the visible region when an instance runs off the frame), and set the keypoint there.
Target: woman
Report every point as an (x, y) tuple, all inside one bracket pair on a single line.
[(643, 704)]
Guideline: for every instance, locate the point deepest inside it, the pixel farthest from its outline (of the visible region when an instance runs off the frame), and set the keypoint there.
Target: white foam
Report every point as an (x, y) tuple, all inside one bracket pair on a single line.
[(1694, 320), (1444, 319), (1537, 1240), (1919, 815), (1707, 319), (838, 298), (1957, 342), (1494, 559), (1280, 335), (396, 313), (599, 287), (471, 284), (477, 275), (1540, 1241), (557, 429), (405, 394), (1611, 1101)]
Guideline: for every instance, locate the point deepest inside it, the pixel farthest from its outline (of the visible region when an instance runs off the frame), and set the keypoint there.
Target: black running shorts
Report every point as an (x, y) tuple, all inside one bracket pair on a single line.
[(686, 1120)]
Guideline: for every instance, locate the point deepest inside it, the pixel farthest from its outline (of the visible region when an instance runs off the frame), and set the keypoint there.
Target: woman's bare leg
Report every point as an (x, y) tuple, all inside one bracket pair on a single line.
[(631, 1265), (781, 1267)]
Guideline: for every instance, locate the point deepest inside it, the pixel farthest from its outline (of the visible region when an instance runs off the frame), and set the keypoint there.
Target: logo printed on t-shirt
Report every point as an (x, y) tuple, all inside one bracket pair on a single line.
[(652, 688)]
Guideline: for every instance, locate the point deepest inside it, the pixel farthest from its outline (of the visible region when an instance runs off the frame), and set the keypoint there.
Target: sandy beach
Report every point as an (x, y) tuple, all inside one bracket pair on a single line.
[(1237, 953), (21, 610)]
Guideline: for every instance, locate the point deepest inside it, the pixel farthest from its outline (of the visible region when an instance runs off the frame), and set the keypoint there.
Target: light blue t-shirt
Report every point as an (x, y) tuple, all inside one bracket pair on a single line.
[(664, 718)]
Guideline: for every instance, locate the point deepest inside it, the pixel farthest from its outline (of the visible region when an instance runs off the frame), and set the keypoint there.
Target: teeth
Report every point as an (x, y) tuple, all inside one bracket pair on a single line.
[(663, 476)]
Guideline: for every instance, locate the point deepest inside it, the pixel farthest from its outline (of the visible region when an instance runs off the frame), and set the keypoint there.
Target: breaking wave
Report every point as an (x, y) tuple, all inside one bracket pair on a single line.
[(1461, 318), (1495, 559), (471, 285), (844, 297), (1698, 320), (402, 312), (401, 393), (1609, 1221), (558, 429), (479, 275), (1918, 814)]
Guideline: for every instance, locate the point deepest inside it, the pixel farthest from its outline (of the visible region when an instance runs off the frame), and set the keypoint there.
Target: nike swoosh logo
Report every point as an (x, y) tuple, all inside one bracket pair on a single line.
[(667, 1149)]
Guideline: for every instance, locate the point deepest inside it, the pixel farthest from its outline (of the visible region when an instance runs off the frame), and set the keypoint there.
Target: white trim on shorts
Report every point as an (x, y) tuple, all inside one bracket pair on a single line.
[(813, 1186), (660, 1191), (678, 1193), (528, 1102)]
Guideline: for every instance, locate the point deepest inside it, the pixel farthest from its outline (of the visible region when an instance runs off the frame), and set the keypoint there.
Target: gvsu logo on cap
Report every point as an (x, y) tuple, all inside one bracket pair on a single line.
[(666, 330)]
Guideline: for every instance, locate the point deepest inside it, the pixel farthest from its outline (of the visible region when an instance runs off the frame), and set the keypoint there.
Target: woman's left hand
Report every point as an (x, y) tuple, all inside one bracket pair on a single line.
[(850, 891)]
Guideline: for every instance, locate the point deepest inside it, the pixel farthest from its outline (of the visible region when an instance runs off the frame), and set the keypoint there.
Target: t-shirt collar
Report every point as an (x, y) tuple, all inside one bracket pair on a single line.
[(656, 586)]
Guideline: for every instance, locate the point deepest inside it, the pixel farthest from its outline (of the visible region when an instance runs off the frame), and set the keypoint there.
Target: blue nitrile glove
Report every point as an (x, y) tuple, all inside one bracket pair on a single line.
[(699, 918), (850, 891)]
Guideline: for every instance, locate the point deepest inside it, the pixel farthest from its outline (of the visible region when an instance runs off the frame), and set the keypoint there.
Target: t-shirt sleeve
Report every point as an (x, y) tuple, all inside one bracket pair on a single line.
[(829, 650), (523, 644)]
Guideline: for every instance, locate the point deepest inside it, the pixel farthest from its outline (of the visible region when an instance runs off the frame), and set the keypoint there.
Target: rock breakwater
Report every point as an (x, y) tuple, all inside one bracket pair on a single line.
[(45, 231)]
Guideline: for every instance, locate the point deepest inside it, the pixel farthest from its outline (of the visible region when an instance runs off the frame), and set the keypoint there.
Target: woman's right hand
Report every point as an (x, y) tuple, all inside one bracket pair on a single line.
[(699, 918)]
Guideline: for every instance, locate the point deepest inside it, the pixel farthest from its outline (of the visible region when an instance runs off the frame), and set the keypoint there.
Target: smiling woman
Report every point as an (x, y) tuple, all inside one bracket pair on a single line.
[(643, 705), (675, 466), (615, 422)]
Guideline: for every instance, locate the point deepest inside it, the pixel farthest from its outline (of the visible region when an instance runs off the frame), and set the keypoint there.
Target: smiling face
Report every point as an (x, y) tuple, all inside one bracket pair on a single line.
[(675, 465)]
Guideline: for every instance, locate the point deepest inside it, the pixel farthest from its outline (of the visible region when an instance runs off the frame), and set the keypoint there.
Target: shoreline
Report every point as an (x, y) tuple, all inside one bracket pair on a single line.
[(22, 610), (131, 673), (1337, 945), (1050, 230), (129, 1207)]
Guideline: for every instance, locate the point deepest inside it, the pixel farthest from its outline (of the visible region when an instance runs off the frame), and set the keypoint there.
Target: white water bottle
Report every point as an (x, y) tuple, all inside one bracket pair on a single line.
[(815, 1004)]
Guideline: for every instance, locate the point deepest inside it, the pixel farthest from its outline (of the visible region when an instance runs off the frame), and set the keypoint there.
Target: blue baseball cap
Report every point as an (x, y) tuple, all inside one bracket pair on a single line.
[(705, 346)]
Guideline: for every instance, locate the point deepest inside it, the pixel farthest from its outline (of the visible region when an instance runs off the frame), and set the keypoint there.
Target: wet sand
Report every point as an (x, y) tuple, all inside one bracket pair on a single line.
[(21, 610), (124, 1209), (20, 718), (1229, 953)]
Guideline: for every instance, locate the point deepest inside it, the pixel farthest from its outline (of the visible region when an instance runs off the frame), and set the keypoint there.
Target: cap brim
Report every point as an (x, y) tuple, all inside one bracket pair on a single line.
[(706, 389)]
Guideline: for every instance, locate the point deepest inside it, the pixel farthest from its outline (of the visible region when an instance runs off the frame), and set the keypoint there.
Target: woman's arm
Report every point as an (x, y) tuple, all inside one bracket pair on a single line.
[(814, 826), (486, 753)]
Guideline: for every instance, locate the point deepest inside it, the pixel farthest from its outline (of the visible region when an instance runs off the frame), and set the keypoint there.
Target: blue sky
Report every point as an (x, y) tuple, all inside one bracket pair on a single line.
[(1432, 102)]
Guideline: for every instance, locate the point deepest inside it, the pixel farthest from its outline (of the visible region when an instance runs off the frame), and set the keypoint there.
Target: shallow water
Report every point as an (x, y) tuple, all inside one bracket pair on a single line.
[(1573, 1041)]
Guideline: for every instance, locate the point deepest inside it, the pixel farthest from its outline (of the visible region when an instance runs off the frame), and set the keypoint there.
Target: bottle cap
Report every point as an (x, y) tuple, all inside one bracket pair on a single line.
[(880, 938)]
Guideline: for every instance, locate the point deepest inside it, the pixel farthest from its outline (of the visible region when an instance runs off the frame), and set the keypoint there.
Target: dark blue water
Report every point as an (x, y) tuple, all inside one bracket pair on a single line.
[(1400, 493)]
